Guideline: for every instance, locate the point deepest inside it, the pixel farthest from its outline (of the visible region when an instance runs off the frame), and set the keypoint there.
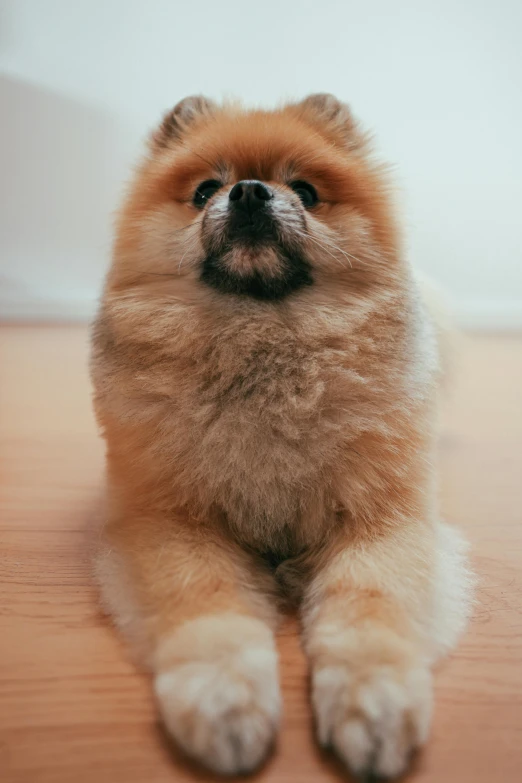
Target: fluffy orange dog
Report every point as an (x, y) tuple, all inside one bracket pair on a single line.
[(266, 378)]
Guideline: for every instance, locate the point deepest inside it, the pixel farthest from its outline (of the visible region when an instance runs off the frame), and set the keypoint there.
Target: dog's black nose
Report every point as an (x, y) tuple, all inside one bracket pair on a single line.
[(249, 195)]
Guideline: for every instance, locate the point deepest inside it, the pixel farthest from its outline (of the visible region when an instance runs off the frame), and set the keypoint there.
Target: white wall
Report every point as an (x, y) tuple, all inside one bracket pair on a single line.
[(82, 81)]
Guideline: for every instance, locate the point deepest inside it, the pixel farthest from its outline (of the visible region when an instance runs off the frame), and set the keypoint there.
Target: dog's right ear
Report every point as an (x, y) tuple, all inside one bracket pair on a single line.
[(177, 121)]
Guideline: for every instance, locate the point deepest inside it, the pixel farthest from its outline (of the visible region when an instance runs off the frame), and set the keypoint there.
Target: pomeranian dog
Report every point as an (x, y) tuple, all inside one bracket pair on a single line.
[(266, 378)]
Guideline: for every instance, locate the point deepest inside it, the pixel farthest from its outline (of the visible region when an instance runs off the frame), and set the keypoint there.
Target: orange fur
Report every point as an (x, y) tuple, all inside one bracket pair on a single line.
[(261, 446)]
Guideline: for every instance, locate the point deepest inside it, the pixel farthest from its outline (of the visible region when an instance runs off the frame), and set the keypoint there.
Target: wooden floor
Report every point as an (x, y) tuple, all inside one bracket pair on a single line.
[(74, 710)]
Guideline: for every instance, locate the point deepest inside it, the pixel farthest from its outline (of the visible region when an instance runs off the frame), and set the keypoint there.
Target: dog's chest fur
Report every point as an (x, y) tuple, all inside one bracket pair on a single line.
[(252, 416), (265, 419)]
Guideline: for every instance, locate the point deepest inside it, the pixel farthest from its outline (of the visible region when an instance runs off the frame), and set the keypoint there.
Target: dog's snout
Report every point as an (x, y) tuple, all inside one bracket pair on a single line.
[(249, 195)]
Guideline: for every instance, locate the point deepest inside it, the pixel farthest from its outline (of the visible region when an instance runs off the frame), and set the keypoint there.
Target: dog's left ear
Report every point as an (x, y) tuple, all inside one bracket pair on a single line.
[(178, 121), (328, 113)]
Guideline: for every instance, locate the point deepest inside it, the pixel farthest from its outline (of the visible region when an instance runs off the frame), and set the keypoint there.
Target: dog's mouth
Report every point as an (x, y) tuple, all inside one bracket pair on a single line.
[(260, 271)]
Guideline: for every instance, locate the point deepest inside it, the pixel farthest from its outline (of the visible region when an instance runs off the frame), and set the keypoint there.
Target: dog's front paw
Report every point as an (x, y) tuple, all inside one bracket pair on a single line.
[(223, 713), (373, 718)]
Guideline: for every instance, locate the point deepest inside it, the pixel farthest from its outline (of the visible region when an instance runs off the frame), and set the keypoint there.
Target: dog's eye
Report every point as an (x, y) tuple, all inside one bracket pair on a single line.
[(204, 191), (306, 193)]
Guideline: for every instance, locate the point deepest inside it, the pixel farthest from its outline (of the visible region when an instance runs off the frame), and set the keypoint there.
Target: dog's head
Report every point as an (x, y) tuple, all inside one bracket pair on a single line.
[(257, 204)]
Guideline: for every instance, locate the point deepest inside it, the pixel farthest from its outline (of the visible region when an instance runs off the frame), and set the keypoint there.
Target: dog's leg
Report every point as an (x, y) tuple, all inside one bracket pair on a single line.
[(196, 608), (378, 612)]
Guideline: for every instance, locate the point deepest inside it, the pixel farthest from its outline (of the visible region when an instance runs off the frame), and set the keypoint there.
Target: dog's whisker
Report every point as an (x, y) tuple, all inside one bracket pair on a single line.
[(325, 247), (182, 258), (328, 243)]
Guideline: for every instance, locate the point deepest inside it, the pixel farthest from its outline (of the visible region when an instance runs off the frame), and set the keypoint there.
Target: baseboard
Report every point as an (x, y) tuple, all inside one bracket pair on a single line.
[(473, 315)]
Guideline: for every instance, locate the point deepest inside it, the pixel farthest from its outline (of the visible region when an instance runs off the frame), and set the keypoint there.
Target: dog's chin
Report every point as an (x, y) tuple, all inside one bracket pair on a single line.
[(263, 273)]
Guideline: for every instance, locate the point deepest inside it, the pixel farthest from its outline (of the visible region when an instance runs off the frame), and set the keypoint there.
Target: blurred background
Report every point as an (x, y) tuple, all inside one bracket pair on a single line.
[(83, 82)]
